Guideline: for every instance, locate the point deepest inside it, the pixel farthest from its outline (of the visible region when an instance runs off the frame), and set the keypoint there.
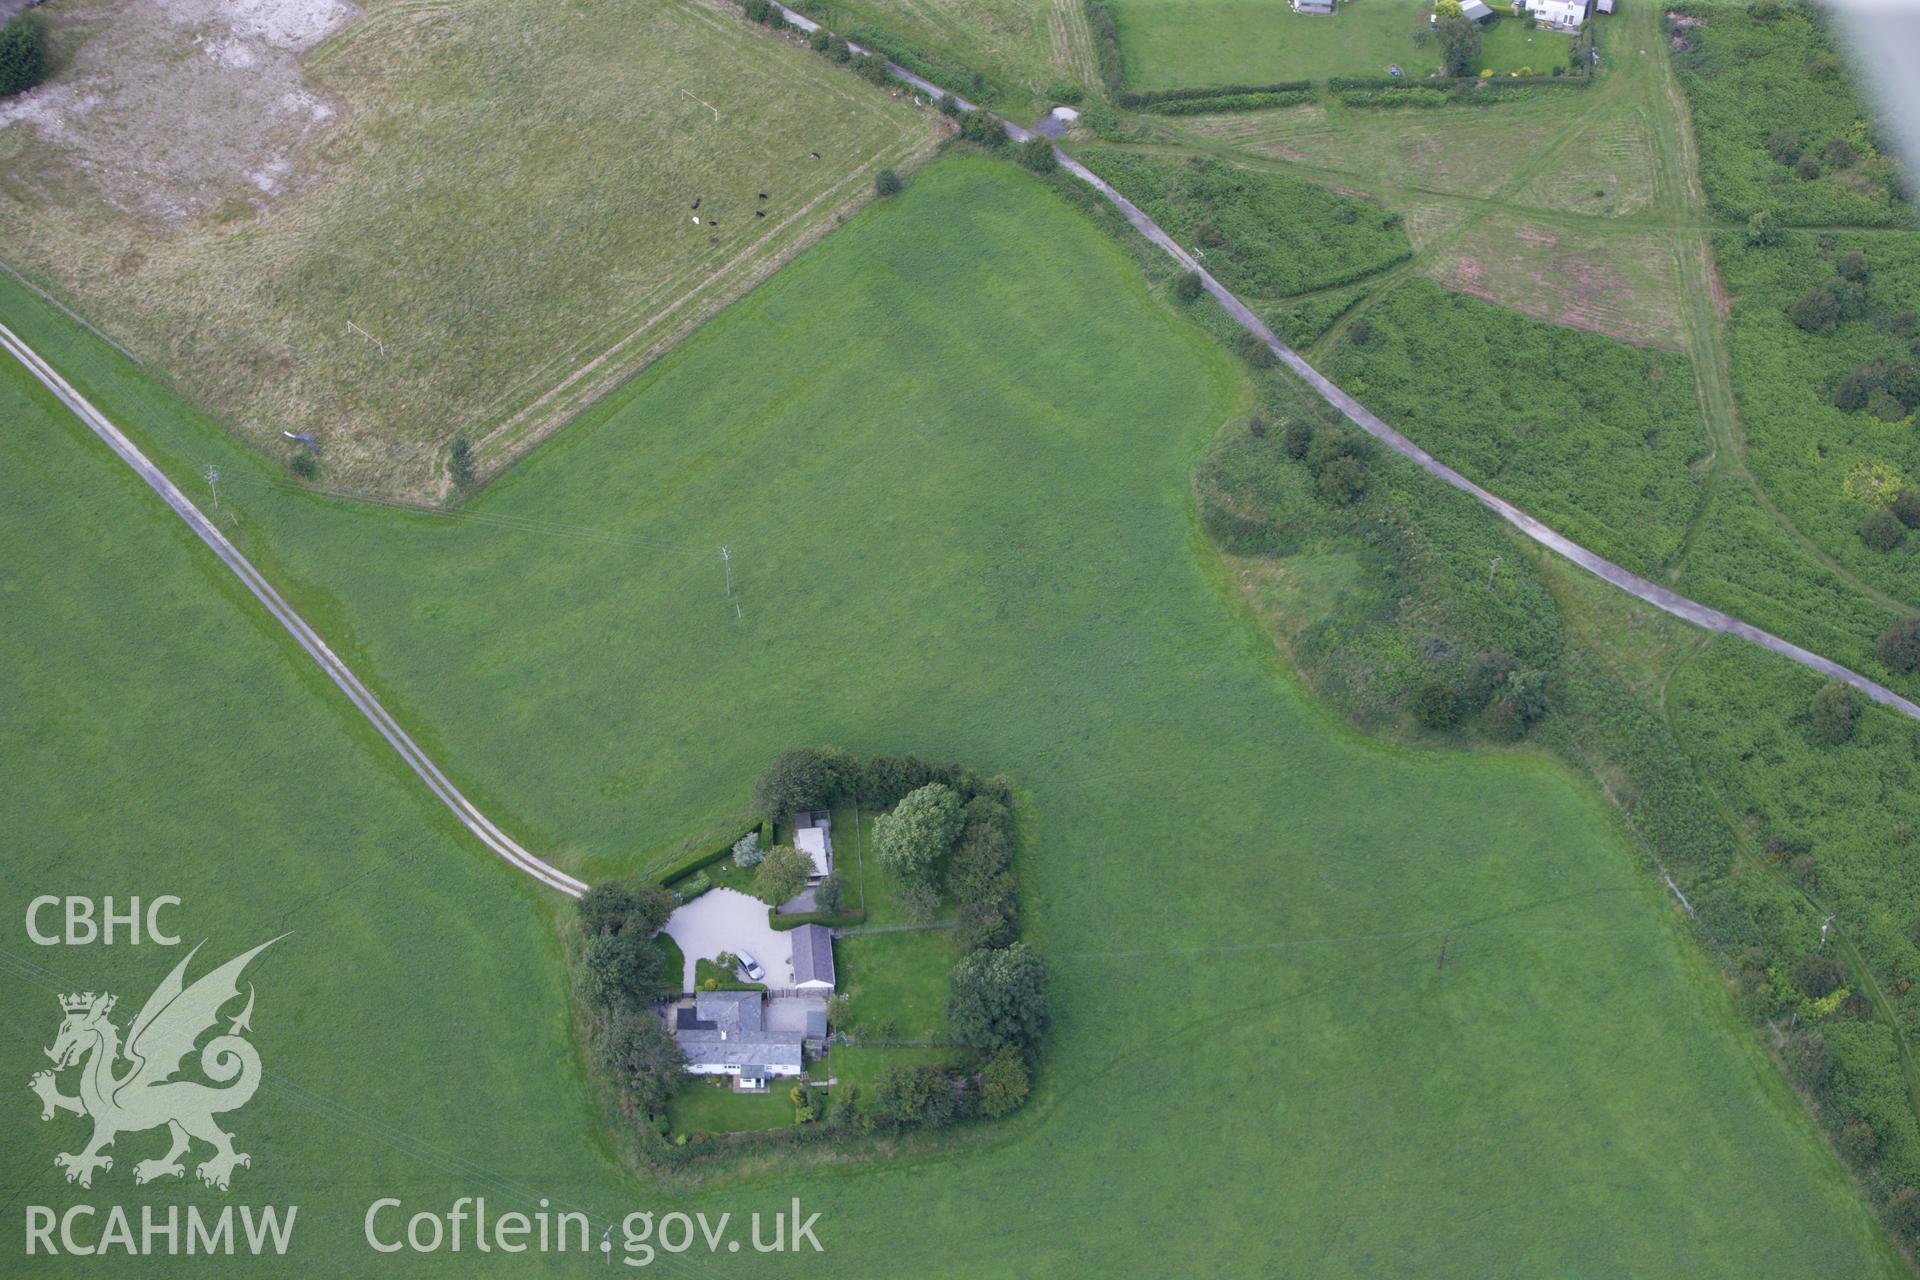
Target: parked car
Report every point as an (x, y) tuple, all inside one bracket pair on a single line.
[(751, 967)]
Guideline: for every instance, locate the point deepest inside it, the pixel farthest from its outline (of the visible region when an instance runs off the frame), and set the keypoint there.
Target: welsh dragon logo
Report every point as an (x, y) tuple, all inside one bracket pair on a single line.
[(143, 1094)]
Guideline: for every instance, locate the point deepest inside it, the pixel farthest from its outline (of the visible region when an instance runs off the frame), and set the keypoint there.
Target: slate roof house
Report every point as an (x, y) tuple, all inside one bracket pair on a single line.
[(813, 958), (724, 1034)]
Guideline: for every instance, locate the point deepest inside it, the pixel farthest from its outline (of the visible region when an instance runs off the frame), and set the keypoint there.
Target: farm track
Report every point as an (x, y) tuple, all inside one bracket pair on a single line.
[(363, 700)]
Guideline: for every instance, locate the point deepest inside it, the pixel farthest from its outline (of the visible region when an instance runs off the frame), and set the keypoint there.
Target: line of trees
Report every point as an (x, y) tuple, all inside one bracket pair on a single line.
[(620, 976)]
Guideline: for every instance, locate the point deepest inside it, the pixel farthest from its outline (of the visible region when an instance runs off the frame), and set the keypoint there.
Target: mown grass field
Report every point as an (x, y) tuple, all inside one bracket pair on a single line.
[(991, 394), (502, 211), (1022, 48), (1168, 44)]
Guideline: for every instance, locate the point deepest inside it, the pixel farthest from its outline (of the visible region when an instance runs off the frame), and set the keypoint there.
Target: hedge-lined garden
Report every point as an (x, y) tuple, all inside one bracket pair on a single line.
[(946, 843)]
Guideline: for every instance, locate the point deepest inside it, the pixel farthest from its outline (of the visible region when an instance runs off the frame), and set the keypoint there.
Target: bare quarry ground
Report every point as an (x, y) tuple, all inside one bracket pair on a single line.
[(168, 108)]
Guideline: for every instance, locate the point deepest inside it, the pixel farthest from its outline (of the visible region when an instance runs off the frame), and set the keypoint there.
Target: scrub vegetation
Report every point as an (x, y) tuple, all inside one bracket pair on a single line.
[(1265, 235), (1780, 124)]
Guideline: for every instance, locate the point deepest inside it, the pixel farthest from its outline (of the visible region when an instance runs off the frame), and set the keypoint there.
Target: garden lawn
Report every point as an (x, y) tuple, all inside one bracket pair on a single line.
[(1168, 44), (719, 1108), (950, 450), (896, 983)]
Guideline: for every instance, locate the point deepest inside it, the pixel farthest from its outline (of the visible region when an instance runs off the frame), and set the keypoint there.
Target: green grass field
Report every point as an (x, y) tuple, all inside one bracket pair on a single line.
[(1022, 47), (484, 216), (1169, 44), (1571, 1092)]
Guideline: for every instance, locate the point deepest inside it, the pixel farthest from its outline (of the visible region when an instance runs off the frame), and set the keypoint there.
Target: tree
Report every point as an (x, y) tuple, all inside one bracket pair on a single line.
[(1189, 286), (1004, 1082), (1459, 45), (911, 841), (887, 183), (1448, 9), (1342, 480), (1855, 388), (1783, 145), (747, 851), (620, 971), (23, 54), (1818, 974), (638, 1053), (625, 906), (782, 875), (1254, 350), (1903, 1214), (830, 895), (1817, 310), (838, 49), (1036, 153), (1527, 691), (1835, 708), (1899, 645), (460, 462), (804, 778), (1807, 167), (1882, 529), (1297, 438), (1486, 677), (906, 1097), (1906, 505), (755, 10), (818, 38), (979, 126), (1763, 229), (1851, 266), (999, 997), (1436, 705), (921, 901), (1840, 153)]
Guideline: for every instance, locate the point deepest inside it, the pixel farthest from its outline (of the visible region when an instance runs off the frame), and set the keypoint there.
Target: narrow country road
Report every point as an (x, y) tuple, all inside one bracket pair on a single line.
[(358, 694), (1658, 596)]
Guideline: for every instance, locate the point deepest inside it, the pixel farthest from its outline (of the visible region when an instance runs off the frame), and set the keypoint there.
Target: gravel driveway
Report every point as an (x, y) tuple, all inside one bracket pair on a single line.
[(728, 920)]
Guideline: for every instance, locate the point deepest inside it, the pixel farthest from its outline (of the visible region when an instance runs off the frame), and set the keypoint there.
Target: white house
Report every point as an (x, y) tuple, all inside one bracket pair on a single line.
[(1312, 6), (1560, 15)]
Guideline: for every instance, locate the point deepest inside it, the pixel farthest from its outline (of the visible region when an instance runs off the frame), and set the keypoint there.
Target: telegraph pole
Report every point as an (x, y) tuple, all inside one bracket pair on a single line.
[(213, 483), (1492, 565), (727, 559)]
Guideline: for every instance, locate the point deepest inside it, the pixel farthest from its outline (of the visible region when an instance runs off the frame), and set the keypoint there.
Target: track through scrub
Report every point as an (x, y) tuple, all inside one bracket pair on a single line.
[(1352, 410), (357, 693)]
